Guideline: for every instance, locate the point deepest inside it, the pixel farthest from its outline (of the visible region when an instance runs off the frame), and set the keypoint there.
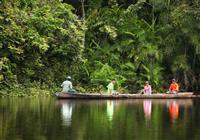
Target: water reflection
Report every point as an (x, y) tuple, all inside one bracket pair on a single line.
[(173, 107), (67, 113), (173, 110), (147, 108), (47, 118), (110, 109)]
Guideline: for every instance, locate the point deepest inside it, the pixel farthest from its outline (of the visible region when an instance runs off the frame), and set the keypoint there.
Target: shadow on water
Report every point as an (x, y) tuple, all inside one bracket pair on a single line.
[(50, 119)]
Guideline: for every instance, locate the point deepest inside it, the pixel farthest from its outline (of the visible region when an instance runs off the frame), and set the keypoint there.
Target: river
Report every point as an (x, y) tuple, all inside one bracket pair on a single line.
[(52, 119)]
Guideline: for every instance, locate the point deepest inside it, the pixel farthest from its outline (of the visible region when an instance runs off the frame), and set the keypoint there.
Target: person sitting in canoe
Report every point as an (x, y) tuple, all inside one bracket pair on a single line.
[(110, 87), (67, 86), (174, 87), (147, 88)]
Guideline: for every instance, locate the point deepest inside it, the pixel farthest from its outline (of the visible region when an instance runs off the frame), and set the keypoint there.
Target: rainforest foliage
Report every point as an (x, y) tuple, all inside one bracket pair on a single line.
[(94, 41)]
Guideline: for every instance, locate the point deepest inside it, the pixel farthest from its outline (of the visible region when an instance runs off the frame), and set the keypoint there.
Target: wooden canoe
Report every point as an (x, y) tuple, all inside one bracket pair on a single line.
[(182, 95)]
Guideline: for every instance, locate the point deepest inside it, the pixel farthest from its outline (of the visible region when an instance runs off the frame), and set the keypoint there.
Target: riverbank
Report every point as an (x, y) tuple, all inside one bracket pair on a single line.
[(19, 92), (27, 90), (38, 89)]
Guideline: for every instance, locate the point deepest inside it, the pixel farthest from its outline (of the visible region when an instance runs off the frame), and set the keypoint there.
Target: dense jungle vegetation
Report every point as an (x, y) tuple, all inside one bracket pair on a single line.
[(94, 41)]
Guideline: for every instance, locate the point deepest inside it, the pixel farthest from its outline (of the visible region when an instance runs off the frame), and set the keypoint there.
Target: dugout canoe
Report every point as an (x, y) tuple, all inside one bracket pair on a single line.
[(181, 95)]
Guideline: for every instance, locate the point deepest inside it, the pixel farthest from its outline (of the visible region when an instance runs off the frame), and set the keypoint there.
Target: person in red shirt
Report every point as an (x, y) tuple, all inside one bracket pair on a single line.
[(174, 87)]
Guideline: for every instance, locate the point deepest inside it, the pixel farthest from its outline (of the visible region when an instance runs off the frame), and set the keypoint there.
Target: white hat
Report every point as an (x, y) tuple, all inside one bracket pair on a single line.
[(69, 77)]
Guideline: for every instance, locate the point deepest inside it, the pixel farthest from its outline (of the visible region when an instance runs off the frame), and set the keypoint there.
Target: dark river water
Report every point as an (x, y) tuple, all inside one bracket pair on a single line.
[(52, 119)]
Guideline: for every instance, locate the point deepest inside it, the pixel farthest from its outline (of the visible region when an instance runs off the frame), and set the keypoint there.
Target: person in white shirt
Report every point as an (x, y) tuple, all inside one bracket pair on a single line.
[(67, 85)]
